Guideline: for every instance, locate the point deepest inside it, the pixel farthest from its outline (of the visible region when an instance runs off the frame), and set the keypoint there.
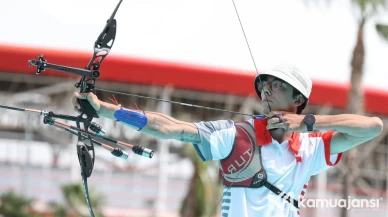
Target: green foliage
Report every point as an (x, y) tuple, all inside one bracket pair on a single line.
[(75, 203), (382, 30), (370, 5), (365, 8), (15, 205), (59, 210), (203, 191)]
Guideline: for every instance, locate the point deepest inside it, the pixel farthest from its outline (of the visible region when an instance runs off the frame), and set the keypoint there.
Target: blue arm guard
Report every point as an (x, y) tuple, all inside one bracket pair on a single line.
[(132, 118)]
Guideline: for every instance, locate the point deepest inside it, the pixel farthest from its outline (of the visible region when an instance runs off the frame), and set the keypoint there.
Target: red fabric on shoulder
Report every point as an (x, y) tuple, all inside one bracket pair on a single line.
[(263, 136), (294, 142)]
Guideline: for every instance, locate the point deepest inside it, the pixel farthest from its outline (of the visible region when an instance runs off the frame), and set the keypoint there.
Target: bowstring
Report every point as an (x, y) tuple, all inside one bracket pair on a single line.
[(257, 73), (250, 51), (174, 102)]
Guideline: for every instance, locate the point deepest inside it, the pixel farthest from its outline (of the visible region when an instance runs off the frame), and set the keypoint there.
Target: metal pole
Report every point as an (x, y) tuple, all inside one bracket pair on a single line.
[(163, 154)]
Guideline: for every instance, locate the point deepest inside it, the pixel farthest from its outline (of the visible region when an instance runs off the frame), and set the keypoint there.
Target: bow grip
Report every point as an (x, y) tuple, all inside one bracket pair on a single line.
[(87, 108)]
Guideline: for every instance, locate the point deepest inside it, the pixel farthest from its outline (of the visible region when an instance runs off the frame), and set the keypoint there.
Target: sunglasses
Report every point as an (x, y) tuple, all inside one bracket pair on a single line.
[(275, 85)]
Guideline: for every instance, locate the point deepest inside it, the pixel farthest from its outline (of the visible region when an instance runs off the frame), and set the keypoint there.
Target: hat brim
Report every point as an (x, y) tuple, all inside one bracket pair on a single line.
[(283, 76)]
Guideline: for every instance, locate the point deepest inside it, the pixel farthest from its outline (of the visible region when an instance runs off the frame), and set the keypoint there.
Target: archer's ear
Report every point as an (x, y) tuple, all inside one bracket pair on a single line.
[(299, 100)]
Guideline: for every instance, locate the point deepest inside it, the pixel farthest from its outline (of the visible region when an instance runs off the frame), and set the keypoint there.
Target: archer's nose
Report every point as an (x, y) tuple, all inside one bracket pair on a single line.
[(265, 92)]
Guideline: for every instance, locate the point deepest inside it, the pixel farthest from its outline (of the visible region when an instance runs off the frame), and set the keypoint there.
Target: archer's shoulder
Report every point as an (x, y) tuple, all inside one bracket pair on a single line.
[(315, 138), (215, 124), (248, 121)]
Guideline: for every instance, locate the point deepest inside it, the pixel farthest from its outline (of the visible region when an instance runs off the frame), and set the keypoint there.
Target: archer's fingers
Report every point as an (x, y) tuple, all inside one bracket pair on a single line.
[(274, 114), (76, 109), (276, 126), (82, 95), (271, 126), (271, 114), (75, 102), (274, 120)]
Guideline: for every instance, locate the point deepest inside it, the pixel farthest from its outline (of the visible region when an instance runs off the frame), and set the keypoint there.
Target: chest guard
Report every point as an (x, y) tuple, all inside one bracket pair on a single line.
[(243, 167)]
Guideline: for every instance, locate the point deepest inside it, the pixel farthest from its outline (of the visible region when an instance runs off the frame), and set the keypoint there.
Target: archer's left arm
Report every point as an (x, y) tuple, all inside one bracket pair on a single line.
[(351, 130)]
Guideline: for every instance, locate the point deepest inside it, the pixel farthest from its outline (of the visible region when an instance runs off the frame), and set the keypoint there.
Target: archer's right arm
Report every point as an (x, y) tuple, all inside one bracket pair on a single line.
[(158, 125)]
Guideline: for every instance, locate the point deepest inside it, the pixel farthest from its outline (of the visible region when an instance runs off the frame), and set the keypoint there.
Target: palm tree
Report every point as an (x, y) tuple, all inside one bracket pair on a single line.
[(75, 203), (365, 10), (15, 205), (203, 191)]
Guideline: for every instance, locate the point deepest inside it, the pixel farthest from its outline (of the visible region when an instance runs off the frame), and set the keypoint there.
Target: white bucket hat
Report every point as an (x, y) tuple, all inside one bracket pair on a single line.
[(290, 74)]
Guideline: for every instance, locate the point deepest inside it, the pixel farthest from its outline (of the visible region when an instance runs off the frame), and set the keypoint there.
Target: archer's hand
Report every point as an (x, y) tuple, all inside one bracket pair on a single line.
[(91, 97), (290, 122)]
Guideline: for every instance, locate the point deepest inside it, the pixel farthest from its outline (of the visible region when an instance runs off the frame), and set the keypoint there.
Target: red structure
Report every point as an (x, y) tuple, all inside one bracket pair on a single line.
[(184, 76)]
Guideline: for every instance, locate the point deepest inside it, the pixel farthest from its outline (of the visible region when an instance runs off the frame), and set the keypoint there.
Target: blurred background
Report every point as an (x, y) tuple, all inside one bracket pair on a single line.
[(188, 51)]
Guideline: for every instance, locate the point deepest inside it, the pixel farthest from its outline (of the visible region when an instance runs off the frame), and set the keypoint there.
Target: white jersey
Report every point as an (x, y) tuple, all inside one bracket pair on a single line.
[(285, 170)]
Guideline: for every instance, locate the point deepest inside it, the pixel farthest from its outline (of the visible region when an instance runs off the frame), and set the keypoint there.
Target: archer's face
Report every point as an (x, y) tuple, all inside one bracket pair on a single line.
[(276, 95)]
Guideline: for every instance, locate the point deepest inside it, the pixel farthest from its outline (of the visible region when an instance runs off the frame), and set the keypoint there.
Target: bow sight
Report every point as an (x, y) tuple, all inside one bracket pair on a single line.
[(86, 139)]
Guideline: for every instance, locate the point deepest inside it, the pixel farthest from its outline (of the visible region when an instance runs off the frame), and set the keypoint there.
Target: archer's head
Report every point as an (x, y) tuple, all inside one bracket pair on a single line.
[(285, 88)]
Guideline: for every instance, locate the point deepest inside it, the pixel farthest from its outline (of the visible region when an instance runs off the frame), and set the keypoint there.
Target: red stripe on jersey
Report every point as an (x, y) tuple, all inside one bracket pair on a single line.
[(326, 137)]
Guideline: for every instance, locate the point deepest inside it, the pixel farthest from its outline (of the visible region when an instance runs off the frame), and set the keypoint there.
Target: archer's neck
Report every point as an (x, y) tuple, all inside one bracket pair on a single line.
[(280, 135)]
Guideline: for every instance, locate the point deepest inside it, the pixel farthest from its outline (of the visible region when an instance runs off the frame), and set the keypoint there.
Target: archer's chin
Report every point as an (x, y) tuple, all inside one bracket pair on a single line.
[(266, 109)]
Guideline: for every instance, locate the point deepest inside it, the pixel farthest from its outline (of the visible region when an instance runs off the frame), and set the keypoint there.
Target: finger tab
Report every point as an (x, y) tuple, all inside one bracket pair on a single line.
[(280, 117)]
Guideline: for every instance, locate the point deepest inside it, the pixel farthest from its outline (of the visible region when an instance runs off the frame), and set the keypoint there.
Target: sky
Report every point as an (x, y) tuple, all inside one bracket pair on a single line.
[(317, 37)]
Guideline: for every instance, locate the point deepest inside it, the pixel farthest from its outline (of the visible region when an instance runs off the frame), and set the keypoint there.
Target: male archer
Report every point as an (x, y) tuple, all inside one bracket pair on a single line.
[(265, 159)]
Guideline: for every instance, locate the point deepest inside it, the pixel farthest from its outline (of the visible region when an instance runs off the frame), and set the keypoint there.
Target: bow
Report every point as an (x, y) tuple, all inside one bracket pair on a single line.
[(87, 83), (86, 138)]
